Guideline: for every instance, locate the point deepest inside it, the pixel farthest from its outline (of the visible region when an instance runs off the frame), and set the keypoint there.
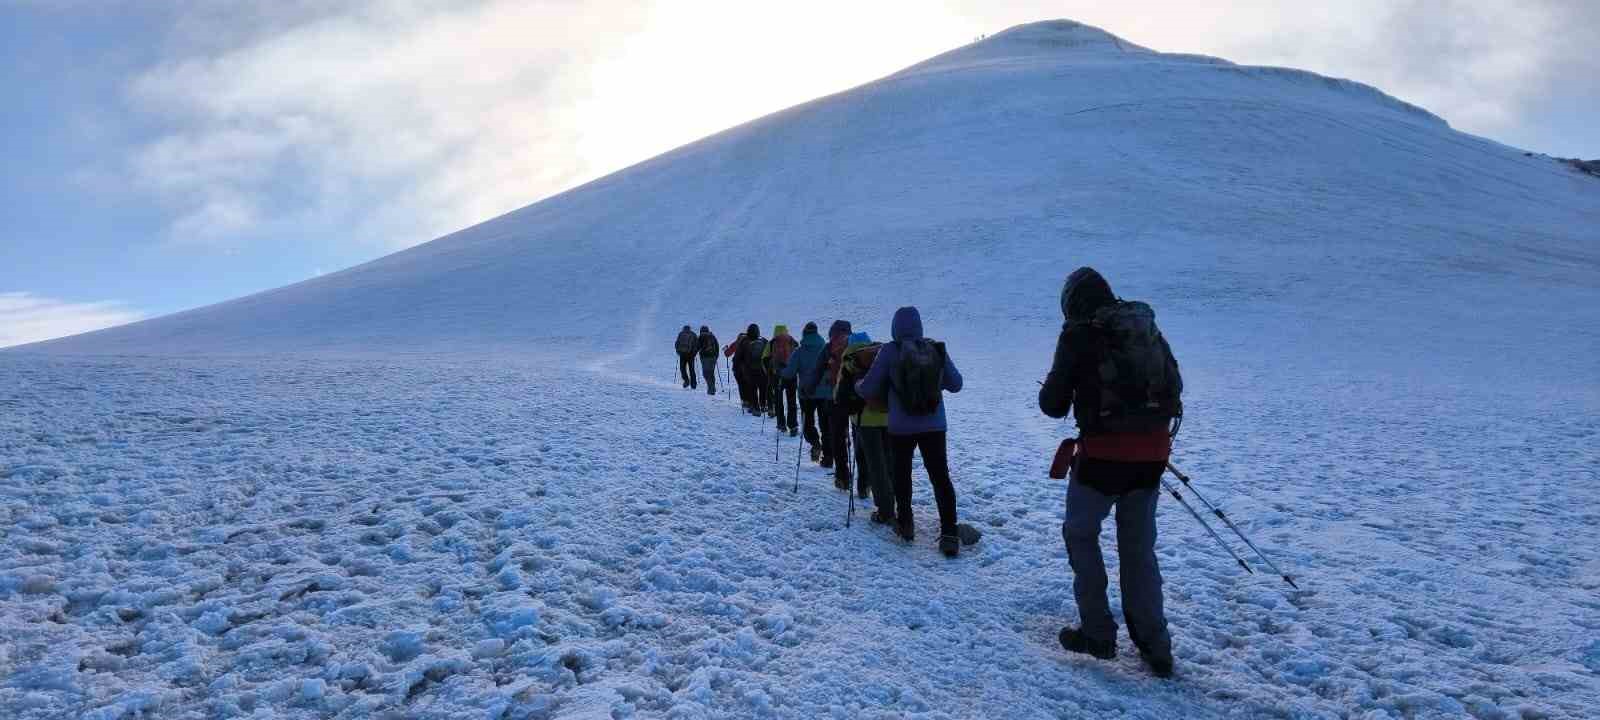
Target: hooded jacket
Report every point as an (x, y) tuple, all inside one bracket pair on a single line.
[(741, 356), (781, 339), (686, 339), (805, 365), (1073, 385), (708, 344), (838, 337), (877, 385)]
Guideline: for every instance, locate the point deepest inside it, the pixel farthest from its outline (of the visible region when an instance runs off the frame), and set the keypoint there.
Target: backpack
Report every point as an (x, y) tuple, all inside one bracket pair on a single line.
[(753, 350), (918, 376), (686, 343), (1135, 372), (782, 349), (854, 368)]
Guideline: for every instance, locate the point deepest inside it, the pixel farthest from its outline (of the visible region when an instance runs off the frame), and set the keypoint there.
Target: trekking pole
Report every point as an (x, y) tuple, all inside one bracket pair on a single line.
[(851, 491), (1204, 524), (797, 465), (1235, 528), (776, 438)]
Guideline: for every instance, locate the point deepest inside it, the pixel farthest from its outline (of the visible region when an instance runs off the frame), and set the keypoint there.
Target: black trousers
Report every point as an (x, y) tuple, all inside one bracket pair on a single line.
[(838, 430), (825, 425), (783, 401), (809, 410), (937, 464), (686, 369), (760, 392), (708, 369), (742, 379)]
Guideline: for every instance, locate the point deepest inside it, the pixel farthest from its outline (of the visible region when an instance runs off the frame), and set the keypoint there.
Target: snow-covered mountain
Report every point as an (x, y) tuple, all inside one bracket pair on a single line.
[(459, 481), (974, 180)]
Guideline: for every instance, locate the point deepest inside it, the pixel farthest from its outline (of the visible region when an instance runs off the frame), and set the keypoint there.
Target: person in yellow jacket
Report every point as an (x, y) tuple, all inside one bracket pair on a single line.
[(874, 471)]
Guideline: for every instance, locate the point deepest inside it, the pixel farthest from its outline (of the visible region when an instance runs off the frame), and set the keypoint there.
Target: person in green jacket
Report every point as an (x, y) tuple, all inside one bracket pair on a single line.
[(871, 420)]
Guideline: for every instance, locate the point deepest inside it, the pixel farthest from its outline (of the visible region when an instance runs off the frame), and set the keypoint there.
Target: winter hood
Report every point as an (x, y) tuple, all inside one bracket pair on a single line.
[(1085, 292), (839, 328), (907, 324), (780, 329)]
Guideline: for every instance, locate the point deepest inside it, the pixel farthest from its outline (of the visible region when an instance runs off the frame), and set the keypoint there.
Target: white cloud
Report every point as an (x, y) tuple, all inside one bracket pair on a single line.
[(27, 318), (392, 122)]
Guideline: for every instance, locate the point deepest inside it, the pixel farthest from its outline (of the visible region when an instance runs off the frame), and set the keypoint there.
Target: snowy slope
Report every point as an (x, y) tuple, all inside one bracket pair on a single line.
[(333, 499)]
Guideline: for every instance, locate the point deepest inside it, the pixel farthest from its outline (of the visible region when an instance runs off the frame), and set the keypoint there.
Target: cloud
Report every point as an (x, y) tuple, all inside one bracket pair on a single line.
[(27, 318), (390, 122)]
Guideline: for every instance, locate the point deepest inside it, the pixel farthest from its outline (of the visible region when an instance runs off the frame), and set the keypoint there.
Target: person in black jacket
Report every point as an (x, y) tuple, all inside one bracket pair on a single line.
[(1112, 470), (686, 345), (708, 347)]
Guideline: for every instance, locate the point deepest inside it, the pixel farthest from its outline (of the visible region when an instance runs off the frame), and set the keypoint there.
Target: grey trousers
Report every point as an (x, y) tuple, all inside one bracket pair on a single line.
[(708, 369), (1142, 605)]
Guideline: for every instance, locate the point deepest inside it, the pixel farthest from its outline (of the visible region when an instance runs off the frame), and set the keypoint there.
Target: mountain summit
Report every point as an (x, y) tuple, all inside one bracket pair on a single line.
[(1014, 158)]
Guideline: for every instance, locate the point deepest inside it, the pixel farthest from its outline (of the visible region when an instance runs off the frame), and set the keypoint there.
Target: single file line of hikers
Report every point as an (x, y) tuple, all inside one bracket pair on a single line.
[(873, 406)]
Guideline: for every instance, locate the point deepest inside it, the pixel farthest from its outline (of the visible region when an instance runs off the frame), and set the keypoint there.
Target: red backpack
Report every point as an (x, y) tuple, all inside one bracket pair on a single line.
[(783, 347)]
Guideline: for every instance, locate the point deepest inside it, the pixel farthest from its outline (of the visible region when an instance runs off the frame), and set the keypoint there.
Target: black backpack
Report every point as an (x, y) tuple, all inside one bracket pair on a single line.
[(752, 352), (1138, 378), (686, 342), (918, 376)]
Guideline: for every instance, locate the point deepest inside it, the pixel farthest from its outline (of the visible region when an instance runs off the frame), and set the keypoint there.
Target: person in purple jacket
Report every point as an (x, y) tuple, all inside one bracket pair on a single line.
[(908, 432)]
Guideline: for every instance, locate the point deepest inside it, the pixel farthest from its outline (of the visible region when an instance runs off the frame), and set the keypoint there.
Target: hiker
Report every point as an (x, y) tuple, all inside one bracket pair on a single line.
[(912, 373), (779, 352), (686, 345), (1122, 452), (835, 420), (736, 366), (708, 347), (871, 429), (804, 370), (755, 373)]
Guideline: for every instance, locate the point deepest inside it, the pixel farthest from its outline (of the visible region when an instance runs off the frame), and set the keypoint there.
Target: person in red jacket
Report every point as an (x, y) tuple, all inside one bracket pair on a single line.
[(1120, 470)]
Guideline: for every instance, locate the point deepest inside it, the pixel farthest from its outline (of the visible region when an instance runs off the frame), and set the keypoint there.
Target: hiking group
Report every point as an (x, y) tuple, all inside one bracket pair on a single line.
[(875, 405)]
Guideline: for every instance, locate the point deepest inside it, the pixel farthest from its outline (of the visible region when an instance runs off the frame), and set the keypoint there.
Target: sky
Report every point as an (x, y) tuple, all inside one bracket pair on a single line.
[(163, 154)]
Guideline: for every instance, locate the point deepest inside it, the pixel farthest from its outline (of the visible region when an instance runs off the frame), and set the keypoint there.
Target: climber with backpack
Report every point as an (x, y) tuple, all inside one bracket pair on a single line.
[(686, 344), (755, 373), (736, 366), (707, 346), (911, 375), (835, 420), (1116, 374), (779, 352), (871, 431), (804, 370)]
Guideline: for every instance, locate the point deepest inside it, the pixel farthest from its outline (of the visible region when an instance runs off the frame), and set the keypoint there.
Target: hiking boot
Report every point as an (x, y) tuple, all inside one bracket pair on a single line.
[(1160, 665), (906, 529), (883, 518), (1074, 640), (950, 545), (816, 454), (842, 484), (863, 491), (826, 461), (793, 432)]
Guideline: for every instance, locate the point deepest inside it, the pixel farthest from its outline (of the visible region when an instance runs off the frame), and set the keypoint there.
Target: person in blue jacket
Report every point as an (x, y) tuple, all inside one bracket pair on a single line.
[(908, 432), (805, 368)]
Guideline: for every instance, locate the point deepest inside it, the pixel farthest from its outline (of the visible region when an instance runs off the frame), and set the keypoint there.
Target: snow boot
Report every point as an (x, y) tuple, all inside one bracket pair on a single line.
[(906, 529), (1160, 665), (1074, 640), (950, 545)]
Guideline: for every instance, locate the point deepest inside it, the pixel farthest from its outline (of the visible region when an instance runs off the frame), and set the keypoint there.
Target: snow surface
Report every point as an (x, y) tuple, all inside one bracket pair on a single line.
[(460, 481)]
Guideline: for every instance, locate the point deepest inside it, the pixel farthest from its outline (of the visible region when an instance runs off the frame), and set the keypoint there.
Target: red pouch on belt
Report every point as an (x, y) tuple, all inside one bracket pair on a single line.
[(1062, 463)]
